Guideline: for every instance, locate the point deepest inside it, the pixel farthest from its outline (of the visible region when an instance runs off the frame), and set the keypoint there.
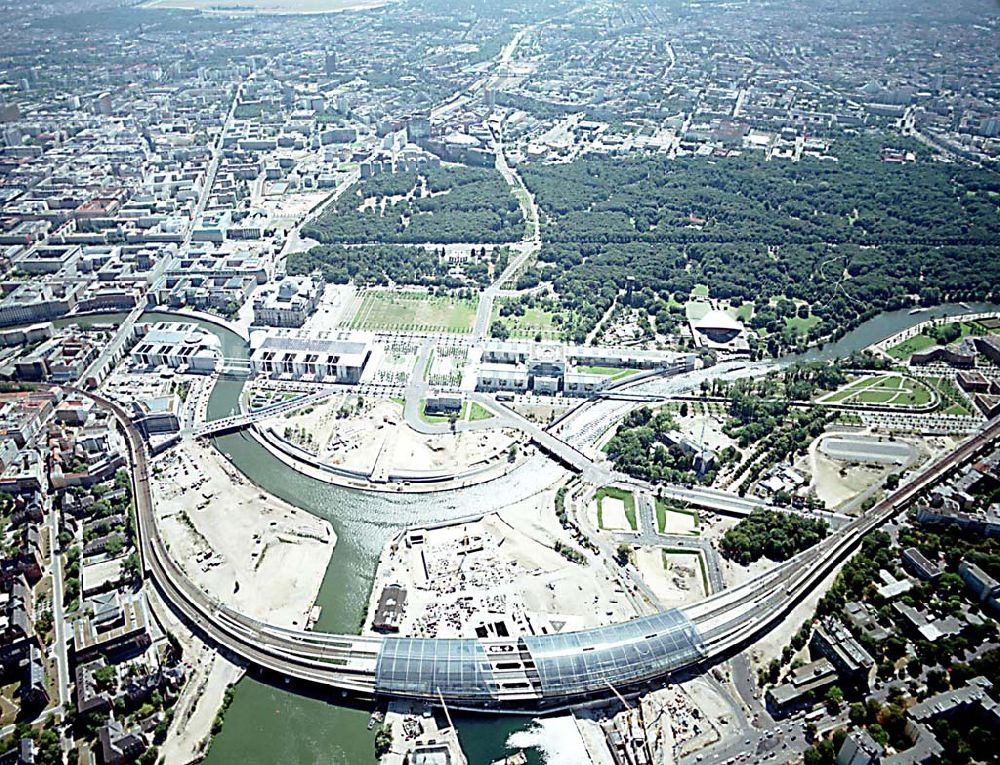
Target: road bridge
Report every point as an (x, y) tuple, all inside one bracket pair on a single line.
[(522, 672)]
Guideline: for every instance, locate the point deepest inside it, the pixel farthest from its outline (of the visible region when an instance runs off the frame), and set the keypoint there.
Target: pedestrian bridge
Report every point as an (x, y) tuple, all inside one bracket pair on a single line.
[(240, 421)]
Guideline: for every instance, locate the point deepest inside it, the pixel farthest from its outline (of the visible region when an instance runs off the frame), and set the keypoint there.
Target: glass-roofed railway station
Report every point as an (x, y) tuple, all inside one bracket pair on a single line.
[(538, 670)]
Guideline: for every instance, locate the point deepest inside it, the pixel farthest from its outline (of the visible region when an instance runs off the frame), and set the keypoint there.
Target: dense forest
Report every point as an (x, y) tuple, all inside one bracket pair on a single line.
[(850, 238), (437, 205), (771, 534), (642, 448), (396, 264)]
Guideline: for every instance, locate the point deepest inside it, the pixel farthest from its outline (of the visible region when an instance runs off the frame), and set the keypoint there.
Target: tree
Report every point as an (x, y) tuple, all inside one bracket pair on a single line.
[(131, 566), (623, 554), (499, 330), (857, 713), (106, 677), (834, 698), (383, 740)]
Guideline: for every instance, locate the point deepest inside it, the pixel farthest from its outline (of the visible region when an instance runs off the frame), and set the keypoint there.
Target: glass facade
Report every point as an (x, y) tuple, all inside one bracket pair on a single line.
[(619, 654), (423, 666), (569, 664)]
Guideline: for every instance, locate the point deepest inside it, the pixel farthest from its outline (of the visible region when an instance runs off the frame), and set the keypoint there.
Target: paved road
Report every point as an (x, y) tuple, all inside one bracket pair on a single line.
[(59, 646)]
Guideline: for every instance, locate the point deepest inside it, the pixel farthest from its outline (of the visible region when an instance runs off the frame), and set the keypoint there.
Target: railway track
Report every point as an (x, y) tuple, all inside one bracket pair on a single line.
[(726, 622)]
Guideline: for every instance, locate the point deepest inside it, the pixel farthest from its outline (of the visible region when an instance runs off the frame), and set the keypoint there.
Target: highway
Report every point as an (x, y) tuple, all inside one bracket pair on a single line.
[(726, 622)]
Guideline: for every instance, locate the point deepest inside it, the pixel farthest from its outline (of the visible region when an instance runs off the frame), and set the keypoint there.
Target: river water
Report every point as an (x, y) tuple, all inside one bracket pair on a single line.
[(268, 723)]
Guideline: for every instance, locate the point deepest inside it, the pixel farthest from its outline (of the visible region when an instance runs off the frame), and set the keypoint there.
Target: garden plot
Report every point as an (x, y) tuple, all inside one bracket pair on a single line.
[(881, 390)]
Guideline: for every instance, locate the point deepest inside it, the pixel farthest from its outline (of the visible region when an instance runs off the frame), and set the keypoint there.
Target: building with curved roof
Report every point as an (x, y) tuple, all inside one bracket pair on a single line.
[(545, 669)]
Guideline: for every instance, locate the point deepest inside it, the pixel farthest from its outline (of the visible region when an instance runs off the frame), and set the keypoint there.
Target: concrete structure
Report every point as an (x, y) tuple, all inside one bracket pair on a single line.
[(523, 671), (834, 641), (288, 303), (720, 331), (550, 368), (339, 360), (915, 562), (802, 688), (983, 587), (178, 345), (158, 416), (859, 748)]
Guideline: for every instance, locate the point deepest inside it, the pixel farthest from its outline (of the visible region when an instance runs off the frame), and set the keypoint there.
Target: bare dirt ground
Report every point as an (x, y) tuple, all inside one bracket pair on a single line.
[(250, 550), (511, 573), (675, 579), (209, 673), (377, 432), (836, 482)]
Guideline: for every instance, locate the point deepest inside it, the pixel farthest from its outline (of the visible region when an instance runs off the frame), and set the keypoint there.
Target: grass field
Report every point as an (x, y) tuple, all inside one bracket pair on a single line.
[(624, 496), (414, 311), (952, 401), (744, 313), (893, 390), (479, 412), (801, 326), (536, 321), (920, 342), (663, 507), (907, 348), (615, 373)]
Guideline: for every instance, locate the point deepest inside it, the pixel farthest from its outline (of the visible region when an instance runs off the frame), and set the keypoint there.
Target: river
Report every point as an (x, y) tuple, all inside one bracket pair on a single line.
[(268, 723)]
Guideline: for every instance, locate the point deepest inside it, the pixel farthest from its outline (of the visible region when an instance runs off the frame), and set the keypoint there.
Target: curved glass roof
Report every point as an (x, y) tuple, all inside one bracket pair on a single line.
[(569, 664), (423, 666), (619, 654)]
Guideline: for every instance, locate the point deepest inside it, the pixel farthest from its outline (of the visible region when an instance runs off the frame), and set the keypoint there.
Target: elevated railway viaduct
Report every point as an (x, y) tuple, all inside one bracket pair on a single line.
[(521, 673)]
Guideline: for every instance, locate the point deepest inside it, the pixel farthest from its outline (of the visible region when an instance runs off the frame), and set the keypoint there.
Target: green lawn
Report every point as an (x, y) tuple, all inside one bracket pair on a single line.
[(907, 348), (479, 412), (801, 326), (874, 397), (536, 321), (663, 507), (700, 290), (952, 402), (615, 373), (744, 313), (414, 311), (894, 390), (624, 496)]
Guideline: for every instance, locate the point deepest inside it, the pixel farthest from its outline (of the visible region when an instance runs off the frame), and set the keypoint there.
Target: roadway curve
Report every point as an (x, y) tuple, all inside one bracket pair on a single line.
[(727, 622)]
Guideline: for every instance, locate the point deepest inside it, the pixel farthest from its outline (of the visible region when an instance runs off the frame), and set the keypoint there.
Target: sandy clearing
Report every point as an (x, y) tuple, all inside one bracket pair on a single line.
[(516, 575), (613, 515), (250, 550), (209, 673), (679, 523), (675, 579), (836, 482), (377, 433)]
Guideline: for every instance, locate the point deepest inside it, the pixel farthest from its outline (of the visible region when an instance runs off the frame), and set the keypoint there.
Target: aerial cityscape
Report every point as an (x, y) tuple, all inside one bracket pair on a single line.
[(572, 382)]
